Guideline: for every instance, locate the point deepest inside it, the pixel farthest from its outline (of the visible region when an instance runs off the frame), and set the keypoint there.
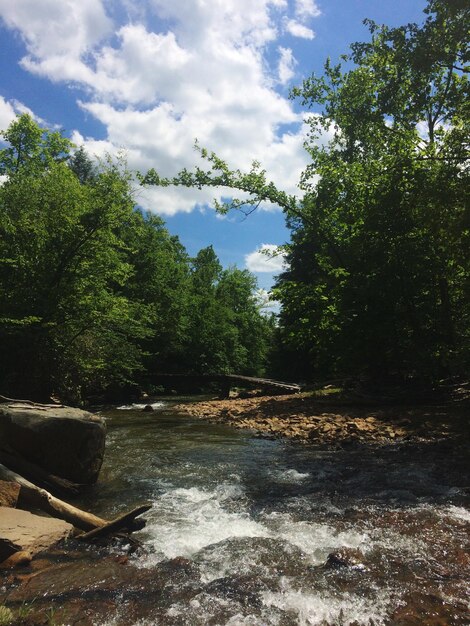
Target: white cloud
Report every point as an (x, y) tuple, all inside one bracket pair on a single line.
[(265, 302), (7, 113), (9, 109), (54, 29), (178, 71), (267, 258), (287, 63), (296, 29), (306, 8)]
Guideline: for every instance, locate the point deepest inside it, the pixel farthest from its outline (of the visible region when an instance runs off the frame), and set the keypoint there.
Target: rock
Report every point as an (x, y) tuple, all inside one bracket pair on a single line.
[(22, 557), (9, 493), (345, 557), (7, 548), (148, 408), (31, 533), (64, 441)]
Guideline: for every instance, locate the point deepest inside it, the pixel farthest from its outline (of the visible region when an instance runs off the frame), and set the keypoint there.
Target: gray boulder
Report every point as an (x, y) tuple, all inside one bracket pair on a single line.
[(64, 441)]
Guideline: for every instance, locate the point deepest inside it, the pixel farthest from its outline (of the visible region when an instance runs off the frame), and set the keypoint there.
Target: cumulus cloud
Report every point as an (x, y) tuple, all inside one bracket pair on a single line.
[(9, 109), (54, 29), (296, 29), (7, 113), (265, 302), (287, 63), (306, 9), (175, 72), (267, 258)]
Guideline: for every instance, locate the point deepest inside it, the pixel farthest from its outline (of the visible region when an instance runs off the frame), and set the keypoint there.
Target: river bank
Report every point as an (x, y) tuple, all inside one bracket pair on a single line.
[(309, 418)]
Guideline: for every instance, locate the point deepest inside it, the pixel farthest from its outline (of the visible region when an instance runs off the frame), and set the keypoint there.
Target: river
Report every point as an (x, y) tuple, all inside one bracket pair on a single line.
[(265, 532)]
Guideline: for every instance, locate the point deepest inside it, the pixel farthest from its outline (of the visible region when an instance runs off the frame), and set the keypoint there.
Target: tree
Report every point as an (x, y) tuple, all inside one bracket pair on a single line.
[(385, 224), (31, 147), (226, 331), (82, 166), (95, 294), (160, 279), (66, 325), (379, 256)]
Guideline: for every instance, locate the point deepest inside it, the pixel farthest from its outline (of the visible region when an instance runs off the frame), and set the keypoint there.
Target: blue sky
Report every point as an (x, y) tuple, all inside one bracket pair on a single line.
[(150, 76)]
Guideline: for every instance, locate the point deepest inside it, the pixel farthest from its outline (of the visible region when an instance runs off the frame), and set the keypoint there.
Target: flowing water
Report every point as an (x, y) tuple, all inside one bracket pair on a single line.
[(251, 531)]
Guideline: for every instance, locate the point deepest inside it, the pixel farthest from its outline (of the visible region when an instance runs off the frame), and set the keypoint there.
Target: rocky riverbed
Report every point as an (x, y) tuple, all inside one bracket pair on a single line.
[(309, 419)]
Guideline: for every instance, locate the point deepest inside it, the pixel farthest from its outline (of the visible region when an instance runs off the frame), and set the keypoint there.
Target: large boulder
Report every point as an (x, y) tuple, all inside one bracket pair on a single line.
[(64, 441)]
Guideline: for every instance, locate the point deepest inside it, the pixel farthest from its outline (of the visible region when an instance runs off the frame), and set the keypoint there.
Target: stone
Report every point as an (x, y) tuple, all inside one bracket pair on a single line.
[(31, 533), (7, 548), (9, 493), (22, 557), (64, 441), (345, 557)]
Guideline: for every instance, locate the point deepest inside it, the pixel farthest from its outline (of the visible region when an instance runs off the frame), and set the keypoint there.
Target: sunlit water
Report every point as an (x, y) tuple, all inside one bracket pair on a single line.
[(258, 519)]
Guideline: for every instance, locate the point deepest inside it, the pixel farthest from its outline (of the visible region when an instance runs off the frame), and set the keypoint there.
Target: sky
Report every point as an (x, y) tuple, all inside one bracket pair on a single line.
[(149, 77)]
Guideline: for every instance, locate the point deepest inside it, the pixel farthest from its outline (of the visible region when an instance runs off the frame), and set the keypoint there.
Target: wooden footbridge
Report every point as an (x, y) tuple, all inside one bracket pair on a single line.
[(188, 383)]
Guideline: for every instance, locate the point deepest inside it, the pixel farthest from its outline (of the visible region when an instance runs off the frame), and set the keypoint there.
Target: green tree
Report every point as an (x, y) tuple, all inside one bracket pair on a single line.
[(66, 324), (226, 332), (95, 294), (379, 260), (82, 166), (31, 147), (160, 279), (379, 255), (252, 331)]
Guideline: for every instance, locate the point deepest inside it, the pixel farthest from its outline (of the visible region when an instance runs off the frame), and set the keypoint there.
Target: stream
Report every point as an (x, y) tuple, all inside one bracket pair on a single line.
[(258, 532)]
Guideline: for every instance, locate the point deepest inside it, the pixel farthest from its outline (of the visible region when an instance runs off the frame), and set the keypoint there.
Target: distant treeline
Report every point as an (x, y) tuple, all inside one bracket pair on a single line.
[(95, 294)]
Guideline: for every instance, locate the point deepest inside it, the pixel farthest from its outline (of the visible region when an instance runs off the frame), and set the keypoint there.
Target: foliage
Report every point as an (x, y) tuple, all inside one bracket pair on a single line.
[(379, 262), (6, 616), (93, 293), (227, 333), (379, 255)]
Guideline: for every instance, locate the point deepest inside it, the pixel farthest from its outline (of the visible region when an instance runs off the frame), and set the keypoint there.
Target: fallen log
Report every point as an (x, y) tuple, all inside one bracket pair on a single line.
[(30, 403), (33, 496), (126, 521)]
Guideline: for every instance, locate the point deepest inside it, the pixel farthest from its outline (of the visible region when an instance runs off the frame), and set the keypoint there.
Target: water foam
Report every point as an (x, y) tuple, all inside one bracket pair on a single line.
[(290, 476), (182, 521), (315, 539), (458, 513), (139, 407), (317, 609)]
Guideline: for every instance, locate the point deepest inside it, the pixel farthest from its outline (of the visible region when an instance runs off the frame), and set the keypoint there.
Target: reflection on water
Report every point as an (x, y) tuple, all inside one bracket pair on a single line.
[(255, 521)]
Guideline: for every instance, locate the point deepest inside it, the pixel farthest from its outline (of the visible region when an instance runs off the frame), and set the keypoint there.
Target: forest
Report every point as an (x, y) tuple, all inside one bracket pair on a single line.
[(95, 294)]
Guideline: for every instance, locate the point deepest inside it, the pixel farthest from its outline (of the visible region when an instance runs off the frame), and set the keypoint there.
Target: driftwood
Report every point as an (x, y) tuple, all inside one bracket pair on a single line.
[(33, 472), (30, 403), (33, 496), (126, 521)]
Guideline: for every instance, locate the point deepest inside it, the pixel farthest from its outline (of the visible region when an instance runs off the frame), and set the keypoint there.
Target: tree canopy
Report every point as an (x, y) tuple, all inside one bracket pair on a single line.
[(95, 294), (378, 277)]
